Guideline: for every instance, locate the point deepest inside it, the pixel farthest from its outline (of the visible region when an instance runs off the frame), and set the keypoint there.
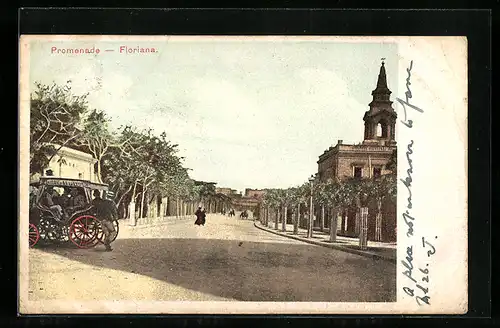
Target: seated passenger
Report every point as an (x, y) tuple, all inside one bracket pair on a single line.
[(49, 199), (76, 200)]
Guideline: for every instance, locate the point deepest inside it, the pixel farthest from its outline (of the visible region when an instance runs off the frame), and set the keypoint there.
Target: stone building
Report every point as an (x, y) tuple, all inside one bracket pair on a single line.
[(225, 191), (367, 159), (72, 163), (254, 193)]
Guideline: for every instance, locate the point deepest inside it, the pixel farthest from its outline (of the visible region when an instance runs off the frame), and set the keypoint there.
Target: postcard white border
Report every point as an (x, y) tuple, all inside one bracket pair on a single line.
[(439, 78)]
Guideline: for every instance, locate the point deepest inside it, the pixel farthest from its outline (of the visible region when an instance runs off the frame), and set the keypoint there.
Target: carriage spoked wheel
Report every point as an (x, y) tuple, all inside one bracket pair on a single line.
[(34, 235), (100, 233), (83, 231), (51, 231)]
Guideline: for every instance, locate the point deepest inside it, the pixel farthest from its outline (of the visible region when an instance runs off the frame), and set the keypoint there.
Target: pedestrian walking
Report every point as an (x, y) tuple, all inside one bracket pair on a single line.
[(200, 216), (106, 212)]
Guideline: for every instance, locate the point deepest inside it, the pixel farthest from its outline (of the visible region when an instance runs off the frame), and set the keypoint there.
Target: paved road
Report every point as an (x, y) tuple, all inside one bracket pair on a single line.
[(227, 259)]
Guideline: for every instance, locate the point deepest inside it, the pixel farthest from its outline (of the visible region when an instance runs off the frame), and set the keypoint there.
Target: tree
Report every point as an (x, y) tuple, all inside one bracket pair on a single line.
[(303, 194), (121, 167), (144, 164), (55, 116), (97, 139), (339, 196), (377, 190), (281, 205), (272, 202), (321, 197), (291, 199), (207, 193), (267, 203), (392, 164)]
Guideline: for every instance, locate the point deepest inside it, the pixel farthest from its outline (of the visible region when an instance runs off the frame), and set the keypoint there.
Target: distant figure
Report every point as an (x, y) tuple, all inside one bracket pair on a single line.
[(200, 216), (244, 214), (106, 212)]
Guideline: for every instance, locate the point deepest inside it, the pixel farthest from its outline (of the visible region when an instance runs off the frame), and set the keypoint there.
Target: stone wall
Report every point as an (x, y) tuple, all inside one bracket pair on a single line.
[(70, 163)]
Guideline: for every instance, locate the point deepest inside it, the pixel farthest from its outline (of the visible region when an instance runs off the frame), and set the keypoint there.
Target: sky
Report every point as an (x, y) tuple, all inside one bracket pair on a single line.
[(245, 113)]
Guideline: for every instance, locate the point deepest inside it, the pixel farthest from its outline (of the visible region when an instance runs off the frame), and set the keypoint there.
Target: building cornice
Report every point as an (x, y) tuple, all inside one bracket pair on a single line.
[(342, 149), (75, 154)]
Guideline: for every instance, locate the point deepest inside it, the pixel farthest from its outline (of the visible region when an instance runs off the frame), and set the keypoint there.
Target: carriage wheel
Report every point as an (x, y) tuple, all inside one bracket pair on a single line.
[(49, 230), (83, 231), (117, 228), (100, 233), (34, 235)]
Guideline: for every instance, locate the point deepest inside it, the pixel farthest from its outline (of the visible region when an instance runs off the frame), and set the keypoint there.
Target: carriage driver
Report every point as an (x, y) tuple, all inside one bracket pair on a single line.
[(106, 213)]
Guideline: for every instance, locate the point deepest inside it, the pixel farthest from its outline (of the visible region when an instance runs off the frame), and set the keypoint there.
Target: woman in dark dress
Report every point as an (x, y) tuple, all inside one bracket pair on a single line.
[(200, 216)]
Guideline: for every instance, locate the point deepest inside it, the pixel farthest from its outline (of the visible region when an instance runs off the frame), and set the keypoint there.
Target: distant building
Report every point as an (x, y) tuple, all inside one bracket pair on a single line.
[(71, 163), (254, 193), (226, 191), (241, 203), (367, 159)]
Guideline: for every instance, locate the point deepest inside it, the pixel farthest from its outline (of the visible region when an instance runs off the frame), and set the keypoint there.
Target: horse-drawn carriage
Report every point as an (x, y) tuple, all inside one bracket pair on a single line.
[(244, 215), (68, 214)]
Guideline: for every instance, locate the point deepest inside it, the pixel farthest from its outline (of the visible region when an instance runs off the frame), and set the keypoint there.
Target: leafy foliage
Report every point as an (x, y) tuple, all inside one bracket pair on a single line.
[(55, 116), (132, 162)]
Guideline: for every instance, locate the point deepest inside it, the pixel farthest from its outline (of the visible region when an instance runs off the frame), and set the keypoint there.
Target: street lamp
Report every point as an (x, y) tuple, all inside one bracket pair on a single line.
[(310, 230)]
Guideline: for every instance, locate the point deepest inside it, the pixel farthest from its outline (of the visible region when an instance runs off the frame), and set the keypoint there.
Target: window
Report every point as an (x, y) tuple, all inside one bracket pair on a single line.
[(379, 130), (358, 172), (377, 172), (382, 130)]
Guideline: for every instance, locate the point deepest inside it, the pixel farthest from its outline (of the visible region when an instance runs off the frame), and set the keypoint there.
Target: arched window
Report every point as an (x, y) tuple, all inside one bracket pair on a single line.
[(379, 130), (382, 129)]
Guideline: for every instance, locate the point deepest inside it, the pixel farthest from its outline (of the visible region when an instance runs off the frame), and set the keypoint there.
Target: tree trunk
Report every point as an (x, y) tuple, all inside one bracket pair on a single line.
[(296, 221), (363, 237), (276, 221), (269, 218), (333, 225), (177, 207), (141, 214), (322, 226), (123, 195), (311, 219), (99, 179), (283, 224), (166, 207), (378, 221), (135, 189)]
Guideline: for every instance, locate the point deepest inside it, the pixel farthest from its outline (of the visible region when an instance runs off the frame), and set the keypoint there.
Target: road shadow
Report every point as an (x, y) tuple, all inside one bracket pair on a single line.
[(247, 271)]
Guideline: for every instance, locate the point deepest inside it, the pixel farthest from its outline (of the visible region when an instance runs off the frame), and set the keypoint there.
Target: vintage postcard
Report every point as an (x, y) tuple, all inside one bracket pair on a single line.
[(243, 175)]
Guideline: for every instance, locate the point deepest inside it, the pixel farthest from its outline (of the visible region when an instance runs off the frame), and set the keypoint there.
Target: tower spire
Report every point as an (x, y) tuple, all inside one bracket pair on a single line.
[(381, 92), (382, 79), (381, 112)]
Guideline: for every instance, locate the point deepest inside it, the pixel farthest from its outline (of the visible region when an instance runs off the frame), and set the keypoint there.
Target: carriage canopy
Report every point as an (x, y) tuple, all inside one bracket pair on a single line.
[(87, 186), (67, 182)]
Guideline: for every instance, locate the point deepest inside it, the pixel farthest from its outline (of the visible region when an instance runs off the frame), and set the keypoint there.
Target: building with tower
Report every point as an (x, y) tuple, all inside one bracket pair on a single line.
[(367, 159)]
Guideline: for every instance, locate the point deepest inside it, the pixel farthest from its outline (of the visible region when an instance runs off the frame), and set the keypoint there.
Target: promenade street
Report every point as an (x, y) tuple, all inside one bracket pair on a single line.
[(227, 259)]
